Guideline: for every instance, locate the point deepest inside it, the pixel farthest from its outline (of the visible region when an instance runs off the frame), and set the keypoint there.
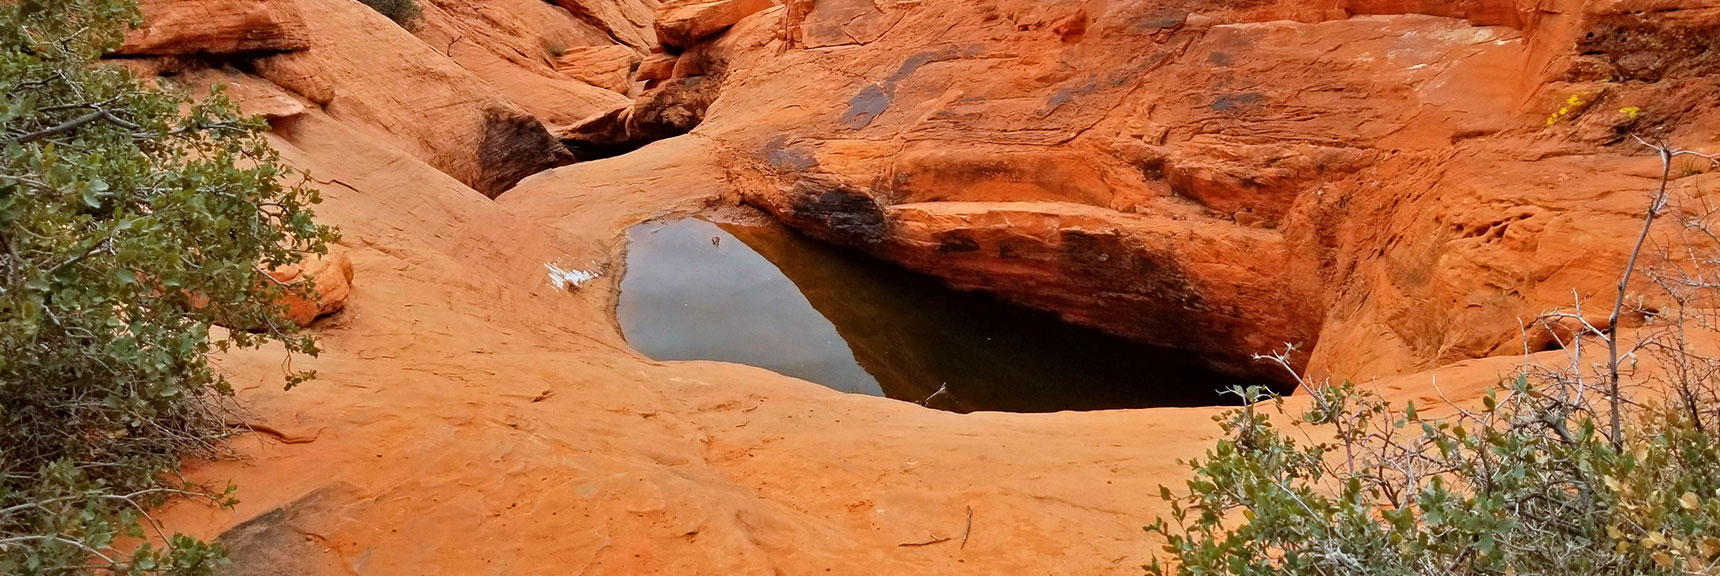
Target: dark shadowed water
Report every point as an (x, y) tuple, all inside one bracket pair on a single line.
[(765, 296)]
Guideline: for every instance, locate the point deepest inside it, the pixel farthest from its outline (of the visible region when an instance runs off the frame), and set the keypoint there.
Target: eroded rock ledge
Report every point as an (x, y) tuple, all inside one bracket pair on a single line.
[(355, 64), (1377, 183)]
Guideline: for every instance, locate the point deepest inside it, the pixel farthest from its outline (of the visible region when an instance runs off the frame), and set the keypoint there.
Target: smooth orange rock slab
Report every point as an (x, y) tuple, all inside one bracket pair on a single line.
[(475, 419), (183, 27), (606, 67), (656, 67), (682, 23)]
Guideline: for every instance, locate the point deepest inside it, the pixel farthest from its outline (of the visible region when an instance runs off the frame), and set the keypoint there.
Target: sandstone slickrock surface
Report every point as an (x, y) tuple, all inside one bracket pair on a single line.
[(1370, 181), (180, 27), (1390, 184)]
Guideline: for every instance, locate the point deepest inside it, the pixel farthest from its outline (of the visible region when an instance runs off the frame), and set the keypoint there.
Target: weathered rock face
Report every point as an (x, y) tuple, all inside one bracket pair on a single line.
[(628, 22), (516, 46), (365, 68), (181, 27), (485, 128), (608, 67), (1369, 181), (682, 23), (673, 84)]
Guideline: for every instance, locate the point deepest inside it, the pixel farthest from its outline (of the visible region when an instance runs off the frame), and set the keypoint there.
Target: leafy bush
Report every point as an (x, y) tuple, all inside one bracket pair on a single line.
[(132, 221), (402, 12), (1524, 486)]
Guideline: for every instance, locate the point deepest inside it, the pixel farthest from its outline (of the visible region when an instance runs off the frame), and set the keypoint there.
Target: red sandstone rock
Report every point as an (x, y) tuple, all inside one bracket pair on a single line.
[(829, 23), (1262, 162), (173, 27), (690, 63), (656, 67), (626, 21), (514, 46), (607, 67), (365, 69), (682, 23), (331, 276), (254, 96)]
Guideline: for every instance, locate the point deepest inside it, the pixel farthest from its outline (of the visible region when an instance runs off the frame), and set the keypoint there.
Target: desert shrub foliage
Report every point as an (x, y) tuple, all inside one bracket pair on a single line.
[(402, 12), (133, 221), (1522, 484)]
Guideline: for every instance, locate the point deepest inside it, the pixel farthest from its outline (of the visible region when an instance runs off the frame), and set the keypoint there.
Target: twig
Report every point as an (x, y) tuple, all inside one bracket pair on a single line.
[(69, 125), (942, 390), (968, 528), (935, 540), (1667, 154), (1623, 283)]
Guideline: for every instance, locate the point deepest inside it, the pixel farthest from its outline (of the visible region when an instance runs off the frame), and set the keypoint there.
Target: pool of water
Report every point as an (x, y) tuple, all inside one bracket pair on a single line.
[(760, 294)]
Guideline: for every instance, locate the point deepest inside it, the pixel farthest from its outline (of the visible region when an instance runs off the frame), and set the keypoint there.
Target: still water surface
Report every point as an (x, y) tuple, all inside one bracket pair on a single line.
[(765, 296)]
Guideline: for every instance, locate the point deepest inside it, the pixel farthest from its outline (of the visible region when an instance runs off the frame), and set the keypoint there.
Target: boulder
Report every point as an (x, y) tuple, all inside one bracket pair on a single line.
[(600, 136), (179, 27), (607, 67), (686, 22), (673, 108), (656, 67), (332, 277), (690, 63)]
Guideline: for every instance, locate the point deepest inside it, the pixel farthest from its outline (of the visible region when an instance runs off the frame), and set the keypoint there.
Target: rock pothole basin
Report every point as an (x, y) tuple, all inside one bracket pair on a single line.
[(757, 293)]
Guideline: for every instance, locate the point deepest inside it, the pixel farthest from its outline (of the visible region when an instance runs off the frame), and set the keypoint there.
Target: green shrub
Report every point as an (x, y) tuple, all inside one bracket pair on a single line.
[(1528, 484), (132, 221), (402, 12)]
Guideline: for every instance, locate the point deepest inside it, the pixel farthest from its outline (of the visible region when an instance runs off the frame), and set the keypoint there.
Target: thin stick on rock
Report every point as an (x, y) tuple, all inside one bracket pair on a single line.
[(935, 540), (942, 390), (967, 529)]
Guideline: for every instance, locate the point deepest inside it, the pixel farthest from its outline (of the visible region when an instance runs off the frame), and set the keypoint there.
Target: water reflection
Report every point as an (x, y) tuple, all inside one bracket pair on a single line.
[(765, 296)]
